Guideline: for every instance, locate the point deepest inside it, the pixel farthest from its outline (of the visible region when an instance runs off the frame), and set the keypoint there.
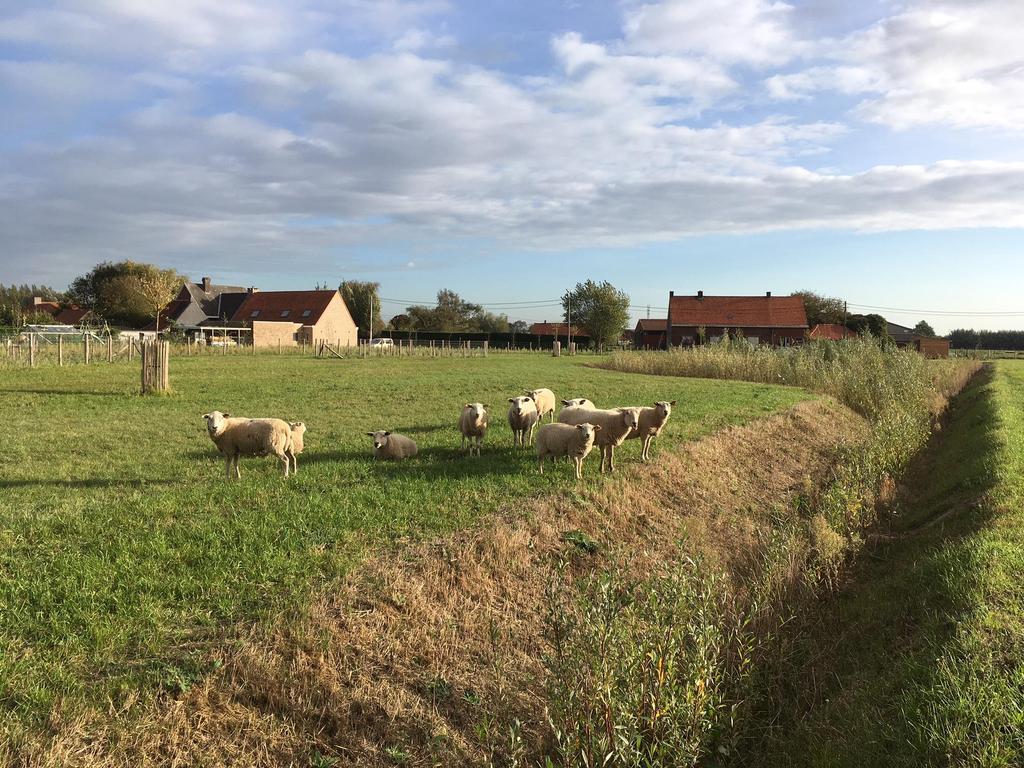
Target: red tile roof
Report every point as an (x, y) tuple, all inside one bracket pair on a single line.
[(71, 315), (271, 304), (49, 307), (554, 329), (738, 311), (831, 332), (651, 324)]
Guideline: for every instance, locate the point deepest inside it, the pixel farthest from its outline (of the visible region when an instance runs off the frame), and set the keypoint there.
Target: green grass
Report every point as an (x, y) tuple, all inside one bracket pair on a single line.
[(920, 659), (125, 555)]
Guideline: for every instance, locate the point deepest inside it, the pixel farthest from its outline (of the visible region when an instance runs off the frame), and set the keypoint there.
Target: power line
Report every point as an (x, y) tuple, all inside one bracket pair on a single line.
[(941, 312)]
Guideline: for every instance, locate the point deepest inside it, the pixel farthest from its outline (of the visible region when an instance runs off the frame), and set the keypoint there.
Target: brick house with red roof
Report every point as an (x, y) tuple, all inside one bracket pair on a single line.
[(649, 333), (774, 320), (291, 317)]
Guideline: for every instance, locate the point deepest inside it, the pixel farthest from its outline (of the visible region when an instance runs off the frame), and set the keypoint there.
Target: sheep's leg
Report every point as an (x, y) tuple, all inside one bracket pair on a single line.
[(295, 463), (227, 466), (283, 458), (540, 464), (611, 459), (647, 448), (578, 462), (238, 470)]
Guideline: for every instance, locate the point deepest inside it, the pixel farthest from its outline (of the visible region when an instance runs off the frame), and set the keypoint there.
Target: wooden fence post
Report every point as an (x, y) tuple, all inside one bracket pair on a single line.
[(155, 356), (486, 345), (110, 348), (60, 351), (31, 351), (556, 349), (85, 344)]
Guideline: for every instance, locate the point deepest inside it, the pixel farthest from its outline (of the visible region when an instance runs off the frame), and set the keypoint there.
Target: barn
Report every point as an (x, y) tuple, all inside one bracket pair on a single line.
[(773, 320), (649, 333)]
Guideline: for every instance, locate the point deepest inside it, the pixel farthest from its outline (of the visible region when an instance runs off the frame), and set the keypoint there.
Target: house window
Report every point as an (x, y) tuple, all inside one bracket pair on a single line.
[(255, 313), (307, 312), (285, 312)]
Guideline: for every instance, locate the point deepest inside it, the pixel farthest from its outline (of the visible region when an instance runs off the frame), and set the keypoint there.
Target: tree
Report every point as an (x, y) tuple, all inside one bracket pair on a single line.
[(519, 326), (363, 302), (924, 329), (488, 322), (876, 325), (126, 292), (451, 313), (823, 309), (401, 322), (599, 308)]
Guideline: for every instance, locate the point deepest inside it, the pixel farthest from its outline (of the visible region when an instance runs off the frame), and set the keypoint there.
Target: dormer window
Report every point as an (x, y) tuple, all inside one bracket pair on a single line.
[(285, 312), (307, 312), (255, 313)]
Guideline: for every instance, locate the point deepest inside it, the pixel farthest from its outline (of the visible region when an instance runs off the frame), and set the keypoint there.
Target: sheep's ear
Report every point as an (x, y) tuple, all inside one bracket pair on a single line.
[(565, 402), (468, 405), (369, 434), (226, 415), (511, 399), (387, 433), (672, 403), (597, 427), (486, 406)]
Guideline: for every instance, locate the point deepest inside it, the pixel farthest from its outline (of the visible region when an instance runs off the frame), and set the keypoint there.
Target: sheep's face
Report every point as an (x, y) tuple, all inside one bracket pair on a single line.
[(522, 405), (477, 412), (380, 438), (215, 421), (664, 408), (630, 417), (578, 402), (589, 432), (298, 427)]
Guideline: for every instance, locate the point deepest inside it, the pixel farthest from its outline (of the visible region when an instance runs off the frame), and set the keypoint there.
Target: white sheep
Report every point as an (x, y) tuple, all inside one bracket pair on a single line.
[(237, 436), (615, 423), (522, 417), (391, 445), (573, 441), (545, 400), (652, 421), (578, 402), (298, 429), (473, 425)]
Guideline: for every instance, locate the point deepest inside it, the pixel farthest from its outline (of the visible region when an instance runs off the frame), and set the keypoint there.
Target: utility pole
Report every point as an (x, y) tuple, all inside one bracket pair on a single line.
[(371, 318), (569, 334)]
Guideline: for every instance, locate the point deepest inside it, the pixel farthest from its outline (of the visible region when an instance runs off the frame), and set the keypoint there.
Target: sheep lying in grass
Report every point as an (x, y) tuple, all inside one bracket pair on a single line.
[(652, 421), (523, 418), (473, 425), (615, 423), (573, 441), (237, 436), (545, 401), (578, 402), (298, 430), (391, 445)]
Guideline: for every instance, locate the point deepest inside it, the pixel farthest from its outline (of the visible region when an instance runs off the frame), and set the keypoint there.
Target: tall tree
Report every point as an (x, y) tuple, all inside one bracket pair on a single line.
[(876, 325), (924, 329), (451, 313), (823, 309), (363, 302), (126, 292), (600, 308)]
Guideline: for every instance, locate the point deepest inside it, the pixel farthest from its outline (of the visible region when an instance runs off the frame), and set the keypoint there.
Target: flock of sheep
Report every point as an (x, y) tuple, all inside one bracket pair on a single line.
[(580, 426)]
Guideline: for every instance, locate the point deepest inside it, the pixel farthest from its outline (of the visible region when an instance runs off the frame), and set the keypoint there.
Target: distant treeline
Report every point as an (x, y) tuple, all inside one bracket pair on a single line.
[(971, 339), (515, 340)]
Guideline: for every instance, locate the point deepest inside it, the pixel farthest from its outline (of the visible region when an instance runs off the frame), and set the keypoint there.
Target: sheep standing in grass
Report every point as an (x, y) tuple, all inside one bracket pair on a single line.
[(523, 418), (652, 421), (236, 437), (615, 423), (545, 401), (473, 425), (578, 402), (391, 445), (298, 429), (574, 441)]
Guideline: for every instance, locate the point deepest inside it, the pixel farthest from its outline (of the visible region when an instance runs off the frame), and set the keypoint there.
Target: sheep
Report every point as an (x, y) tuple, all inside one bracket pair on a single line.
[(298, 430), (573, 441), (391, 445), (522, 417), (473, 425), (237, 436), (578, 402), (652, 421), (545, 401), (615, 423)]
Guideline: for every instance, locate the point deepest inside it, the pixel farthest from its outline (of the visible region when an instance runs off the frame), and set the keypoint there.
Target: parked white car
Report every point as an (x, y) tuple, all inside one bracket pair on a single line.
[(382, 343)]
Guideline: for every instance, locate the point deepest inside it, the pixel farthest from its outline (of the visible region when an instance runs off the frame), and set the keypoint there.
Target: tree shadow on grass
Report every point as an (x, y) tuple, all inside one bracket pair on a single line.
[(85, 482), (853, 658), (66, 392)]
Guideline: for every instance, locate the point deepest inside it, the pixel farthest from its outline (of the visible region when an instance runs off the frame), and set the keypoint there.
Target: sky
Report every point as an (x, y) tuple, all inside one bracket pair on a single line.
[(508, 150)]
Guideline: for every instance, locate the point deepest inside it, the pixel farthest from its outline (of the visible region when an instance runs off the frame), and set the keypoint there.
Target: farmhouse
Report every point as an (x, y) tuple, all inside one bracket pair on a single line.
[(290, 317), (929, 346), (775, 320), (649, 333), (199, 304)]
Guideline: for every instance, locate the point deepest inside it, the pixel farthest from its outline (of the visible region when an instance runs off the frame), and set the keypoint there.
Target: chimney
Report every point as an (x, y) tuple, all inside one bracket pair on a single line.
[(206, 285), (700, 295), (252, 289), (37, 300), (768, 294)]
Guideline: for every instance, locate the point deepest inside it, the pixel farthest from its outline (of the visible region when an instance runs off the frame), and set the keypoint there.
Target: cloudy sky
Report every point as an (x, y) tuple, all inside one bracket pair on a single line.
[(508, 149)]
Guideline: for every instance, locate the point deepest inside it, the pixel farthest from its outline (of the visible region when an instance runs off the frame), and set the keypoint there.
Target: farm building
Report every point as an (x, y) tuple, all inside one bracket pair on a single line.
[(557, 330), (649, 333), (41, 305), (73, 315), (929, 346), (197, 304), (775, 320), (290, 317), (831, 332)]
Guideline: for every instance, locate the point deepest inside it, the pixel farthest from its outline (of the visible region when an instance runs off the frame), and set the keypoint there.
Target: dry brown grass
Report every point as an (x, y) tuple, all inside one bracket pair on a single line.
[(434, 651)]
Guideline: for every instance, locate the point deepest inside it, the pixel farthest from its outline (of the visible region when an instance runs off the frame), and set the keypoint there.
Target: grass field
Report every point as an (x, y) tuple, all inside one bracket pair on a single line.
[(920, 659), (124, 553)]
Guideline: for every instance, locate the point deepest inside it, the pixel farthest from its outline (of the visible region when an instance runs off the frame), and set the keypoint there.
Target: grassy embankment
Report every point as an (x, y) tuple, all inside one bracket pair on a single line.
[(919, 660), (124, 555)]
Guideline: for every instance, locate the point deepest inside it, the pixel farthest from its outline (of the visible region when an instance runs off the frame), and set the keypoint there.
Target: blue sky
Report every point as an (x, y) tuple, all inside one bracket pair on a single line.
[(870, 150)]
